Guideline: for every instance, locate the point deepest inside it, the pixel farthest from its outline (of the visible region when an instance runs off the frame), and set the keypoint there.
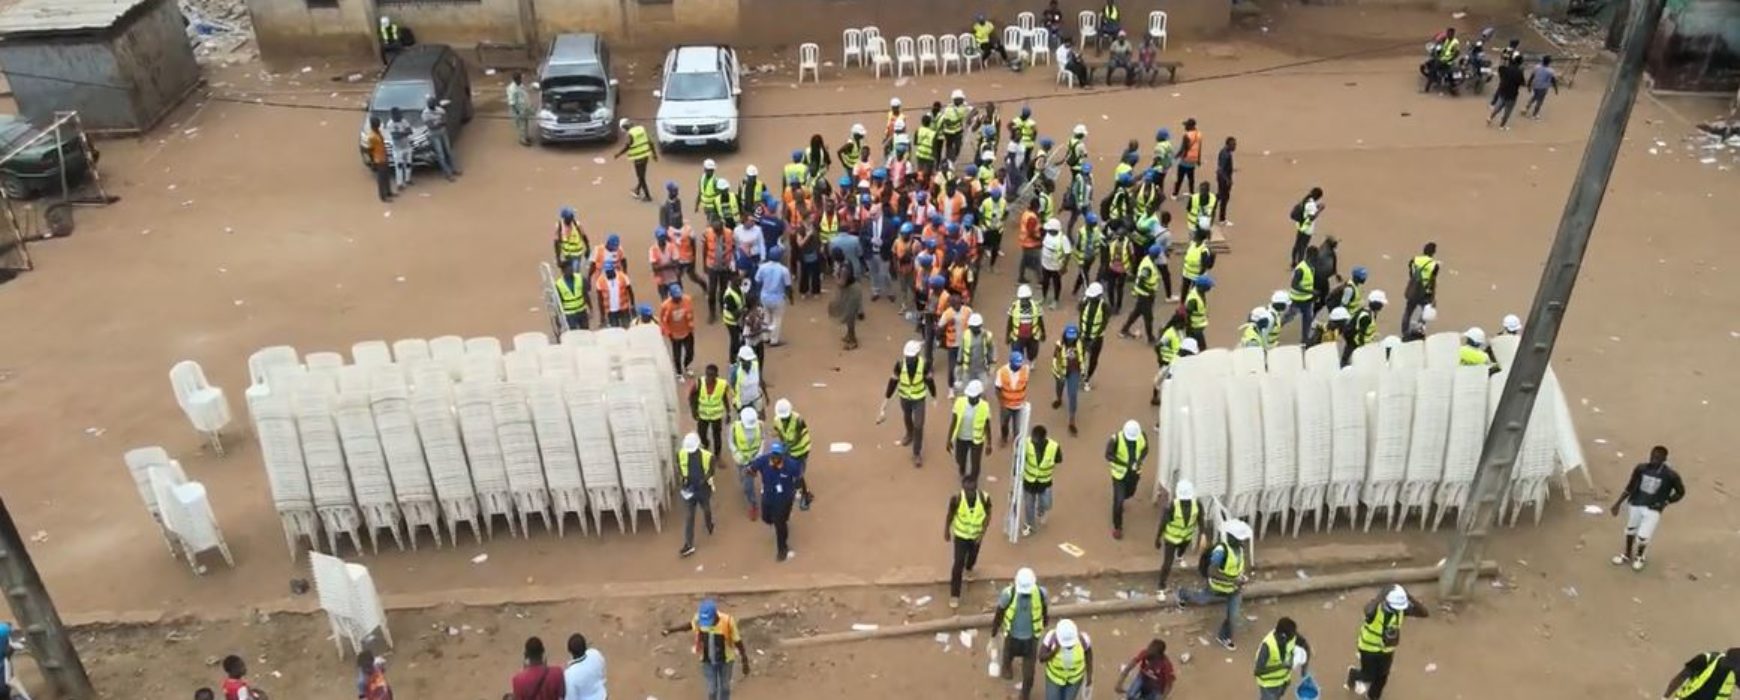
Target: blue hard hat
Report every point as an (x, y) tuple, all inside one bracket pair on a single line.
[(1016, 359), (567, 212), (1087, 167), (659, 232), (988, 130), (972, 170), (676, 291), (708, 613), (1359, 273), (864, 198), (879, 173), (1154, 249), (1131, 157), (936, 217), (1124, 178), (954, 228), (937, 281), (1070, 331), (1205, 282), (906, 228), (922, 195), (610, 266), (1151, 175), (797, 155), (968, 219), (670, 186), (845, 182), (643, 309), (777, 448), (775, 253), (979, 17), (1046, 142), (612, 241), (925, 259), (996, 192), (1093, 218), (1163, 135), (1026, 111), (930, 244)]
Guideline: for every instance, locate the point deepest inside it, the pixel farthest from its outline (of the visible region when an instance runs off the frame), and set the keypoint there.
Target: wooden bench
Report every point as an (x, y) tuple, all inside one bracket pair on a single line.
[(1171, 68)]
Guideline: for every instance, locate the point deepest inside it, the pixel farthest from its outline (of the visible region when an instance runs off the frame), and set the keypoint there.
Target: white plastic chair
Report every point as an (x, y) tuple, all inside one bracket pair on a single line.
[(1014, 38), (140, 461), (1025, 21), (904, 55), (876, 48), (853, 39), (1157, 27), (205, 405), (449, 352), (410, 351), (1064, 77), (810, 59), (486, 346), (969, 50), (324, 361), (371, 353), (1041, 42), (260, 363), (530, 341), (927, 53), (948, 50), (1090, 27), (871, 33)]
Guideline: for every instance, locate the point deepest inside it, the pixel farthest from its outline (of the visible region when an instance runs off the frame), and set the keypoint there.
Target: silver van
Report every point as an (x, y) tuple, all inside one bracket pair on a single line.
[(578, 93)]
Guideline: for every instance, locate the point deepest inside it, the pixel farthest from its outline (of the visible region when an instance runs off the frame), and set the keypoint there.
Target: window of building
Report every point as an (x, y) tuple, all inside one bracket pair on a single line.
[(322, 4)]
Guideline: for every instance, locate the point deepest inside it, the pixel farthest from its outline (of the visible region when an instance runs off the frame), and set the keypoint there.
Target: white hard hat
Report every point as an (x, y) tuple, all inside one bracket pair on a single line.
[(900, 124), (746, 353), (1067, 634), (975, 320), (1189, 347), (1339, 313), (751, 171), (957, 95), (1397, 598), (1186, 491), (1081, 130), (894, 102), (975, 389), (912, 348), (1474, 336), (858, 130), (1428, 313), (1053, 225), (1259, 314), (691, 442), (385, 21), (622, 123), (1095, 289), (1279, 298), (1377, 297), (1025, 580), (987, 155), (1132, 430), (1237, 529), (1023, 292), (1512, 324), (782, 408), (723, 183), (748, 418), (708, 164), (863, 184)]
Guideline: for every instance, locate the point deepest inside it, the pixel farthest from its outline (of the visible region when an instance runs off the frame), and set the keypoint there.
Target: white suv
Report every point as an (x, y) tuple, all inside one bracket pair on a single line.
[(698, 102)]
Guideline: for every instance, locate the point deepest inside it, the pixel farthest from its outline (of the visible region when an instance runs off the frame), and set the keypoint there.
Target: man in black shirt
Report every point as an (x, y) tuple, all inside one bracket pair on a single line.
[(1510, 80), (1705, 677), (1653, 487)]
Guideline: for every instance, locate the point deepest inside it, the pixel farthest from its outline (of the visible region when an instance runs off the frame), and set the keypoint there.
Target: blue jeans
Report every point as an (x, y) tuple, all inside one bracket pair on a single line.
[(1204, 596), (718, 680), (443, 145), (1276, 693), (1137, 692), (1068, 388), (1054, 691), (1035, 507), (1306, 310), (746, 478)]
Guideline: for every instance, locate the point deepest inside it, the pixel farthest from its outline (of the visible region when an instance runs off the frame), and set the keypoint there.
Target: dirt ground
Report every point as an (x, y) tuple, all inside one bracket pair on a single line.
[(246, 222)]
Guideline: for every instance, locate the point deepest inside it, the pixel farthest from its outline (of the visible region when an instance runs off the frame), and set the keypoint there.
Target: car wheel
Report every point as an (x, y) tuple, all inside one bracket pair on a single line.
[(14, 187)]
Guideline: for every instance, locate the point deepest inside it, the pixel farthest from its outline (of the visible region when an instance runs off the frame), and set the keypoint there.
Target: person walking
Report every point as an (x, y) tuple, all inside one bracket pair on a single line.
[(1032, 237), (371, 678), (571, 293), (1510, 82), (1362, 329), (1181, 524), (1422, 283), (1092, 320), (404, 154), (719, 644), (970, 430), (1281, 652), (440, 140), (676, 316), (1302, 296), (964, 526), (1154, 674), (1069, 367), (1225, 569), (1189, 157), (235, 685), (1198, 260), (1022, 617), (1054, 253), (977, 354), (1223, 179), (774, 280), (695, 484), (1147, 284), (747, 387), (1196, 309), (1167, 350), (1544, 76), (1068, 655), (520, 108), (748, 440), (1026, 323), (913, 382), (1090, 249), (583, 678), (1040, 456), (1125, 452), (640, 151), (950, 326), (793, 431), (1379, 633), (1707, 676), (707, 403), (615, 296), (537, 680), (379, 160), (1653, 486), (779, 476), (1304, 217), (1011, 394)]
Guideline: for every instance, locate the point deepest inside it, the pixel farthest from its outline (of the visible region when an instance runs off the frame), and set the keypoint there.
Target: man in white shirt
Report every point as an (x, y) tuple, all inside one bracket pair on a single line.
[(583, 679), (1054, 252), (749, 240)]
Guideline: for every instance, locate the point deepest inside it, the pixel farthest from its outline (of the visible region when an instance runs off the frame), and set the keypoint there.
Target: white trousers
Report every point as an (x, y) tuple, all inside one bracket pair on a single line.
[(1641, 522)]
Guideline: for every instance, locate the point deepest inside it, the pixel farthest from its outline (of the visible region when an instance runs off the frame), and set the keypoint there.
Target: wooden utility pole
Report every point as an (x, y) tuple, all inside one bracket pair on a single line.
[(1558, 277), (48, 638)]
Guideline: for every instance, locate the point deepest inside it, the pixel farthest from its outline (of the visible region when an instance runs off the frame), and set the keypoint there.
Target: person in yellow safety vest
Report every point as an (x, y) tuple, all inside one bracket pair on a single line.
[(796, 172), (1279, 302), (1094, 311), (970, 430), (1166, 351), (1196, 309), (1304, 217), (1201, 211), (1026, 323), (924, 145), (570, 240), (640, 150), (1254, 333), (1198, 260), (1075, 153), (1181, 525), (964, 525), (1090, 247), (794, 431), (1109, 24), (725, 208), (1125, 452), (718, 644), (952, 123), (1068, 367), (1350, 294), (1335, 328), (707, 192), (951, 324), (854, 151), (1165, 153), (1224, 567), (745, 379), (1120, 205), (1475, 353), (1422, 290), (1302, 293), (912, 381), (1040, 456), (707, 404), (392, 39), (986, 36), (1147, 285), (1362, 328), (695, 484), (1379, 633), (978, 353), (1021, 617), (1280, 652), (1707, 676), (1149, 194), (752, 191), (748, 440), (1068, 655), (894, 116), (571, 292)]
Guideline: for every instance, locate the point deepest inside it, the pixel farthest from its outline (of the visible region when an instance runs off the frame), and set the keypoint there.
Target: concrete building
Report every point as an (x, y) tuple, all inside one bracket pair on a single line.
[(121, 64)]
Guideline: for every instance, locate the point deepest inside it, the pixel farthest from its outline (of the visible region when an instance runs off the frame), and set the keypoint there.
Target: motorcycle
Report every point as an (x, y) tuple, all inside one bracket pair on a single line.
[(1470, 66)]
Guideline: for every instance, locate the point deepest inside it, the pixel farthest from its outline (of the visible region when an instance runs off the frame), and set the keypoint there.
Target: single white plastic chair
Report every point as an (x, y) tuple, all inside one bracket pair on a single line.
[(1025, 21), (1013, 38), (486, 346), (948, 49), (810, 59), (449, 352), (871, 33), (970, 53), (1090, 28), (876, 48), (1064, 77), (1157, 27), (927, 53), (411, 351), (205, 405), (371, 353), (904, 55), (1041, 42), (531, 341), (260, 363), (853, 39)]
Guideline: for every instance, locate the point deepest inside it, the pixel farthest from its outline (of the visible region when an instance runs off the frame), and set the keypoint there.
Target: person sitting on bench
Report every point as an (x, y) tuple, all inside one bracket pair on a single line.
[(1147, 57)]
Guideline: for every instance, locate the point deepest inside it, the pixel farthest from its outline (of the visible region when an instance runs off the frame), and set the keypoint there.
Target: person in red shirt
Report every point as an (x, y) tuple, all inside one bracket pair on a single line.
[(537, 680), (677, 319), (236, 685), (1154, 674)]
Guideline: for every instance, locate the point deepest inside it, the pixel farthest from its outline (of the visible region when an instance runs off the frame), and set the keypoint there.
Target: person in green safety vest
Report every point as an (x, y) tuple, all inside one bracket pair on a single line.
[(1040, 456), (1282, 652), (1125, 452), (695, 484), (394, 39), (748, 440), (1380, 631), (1181, 525), (1362, 328), (1475, 352), (953, 123), (1302, 293), (964, 525), (1707, 676), (640, 150), (707, 193), (1422, 290), (1021, 617), (1068, 656), (1227, 568), (571, 292)]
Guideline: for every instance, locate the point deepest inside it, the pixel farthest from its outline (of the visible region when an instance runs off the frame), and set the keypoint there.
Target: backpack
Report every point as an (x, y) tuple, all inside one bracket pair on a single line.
[(1298, 214)]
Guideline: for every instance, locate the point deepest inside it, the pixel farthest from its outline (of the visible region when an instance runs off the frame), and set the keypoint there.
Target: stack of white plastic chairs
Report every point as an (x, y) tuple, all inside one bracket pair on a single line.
[(1193, 424), (1391, 427), (281, 450), (390, 402), (185, 513), (205, 405), (637, 453), (352, 604), (443, 449), (1569, 452), (475, 399), (590, 418), (519, 450), (140, 462), (323, 453)]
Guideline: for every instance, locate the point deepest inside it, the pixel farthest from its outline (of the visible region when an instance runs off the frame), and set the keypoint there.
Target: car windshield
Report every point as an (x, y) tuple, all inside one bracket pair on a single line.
[(14, 133), (408, 96), (684, 87)]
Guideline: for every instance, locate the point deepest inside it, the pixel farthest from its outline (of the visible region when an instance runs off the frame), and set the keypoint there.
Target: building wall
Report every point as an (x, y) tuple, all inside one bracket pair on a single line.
[(154, 57), (89, 81), (287, 29)]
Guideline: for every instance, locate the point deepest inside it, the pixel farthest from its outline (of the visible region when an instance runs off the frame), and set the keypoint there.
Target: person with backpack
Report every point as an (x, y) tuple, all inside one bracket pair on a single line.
[(1304, 217), (536, 680)]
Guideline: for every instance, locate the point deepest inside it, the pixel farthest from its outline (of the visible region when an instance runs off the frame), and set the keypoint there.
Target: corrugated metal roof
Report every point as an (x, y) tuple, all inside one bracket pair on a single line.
[(53, 16)]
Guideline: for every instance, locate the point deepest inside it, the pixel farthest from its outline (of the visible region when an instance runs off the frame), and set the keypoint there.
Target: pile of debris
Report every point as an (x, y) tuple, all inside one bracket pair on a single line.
[(221, 31), (1584, 36)]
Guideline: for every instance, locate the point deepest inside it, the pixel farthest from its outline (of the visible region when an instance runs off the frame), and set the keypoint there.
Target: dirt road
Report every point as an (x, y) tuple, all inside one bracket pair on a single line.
[(244, 225)]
